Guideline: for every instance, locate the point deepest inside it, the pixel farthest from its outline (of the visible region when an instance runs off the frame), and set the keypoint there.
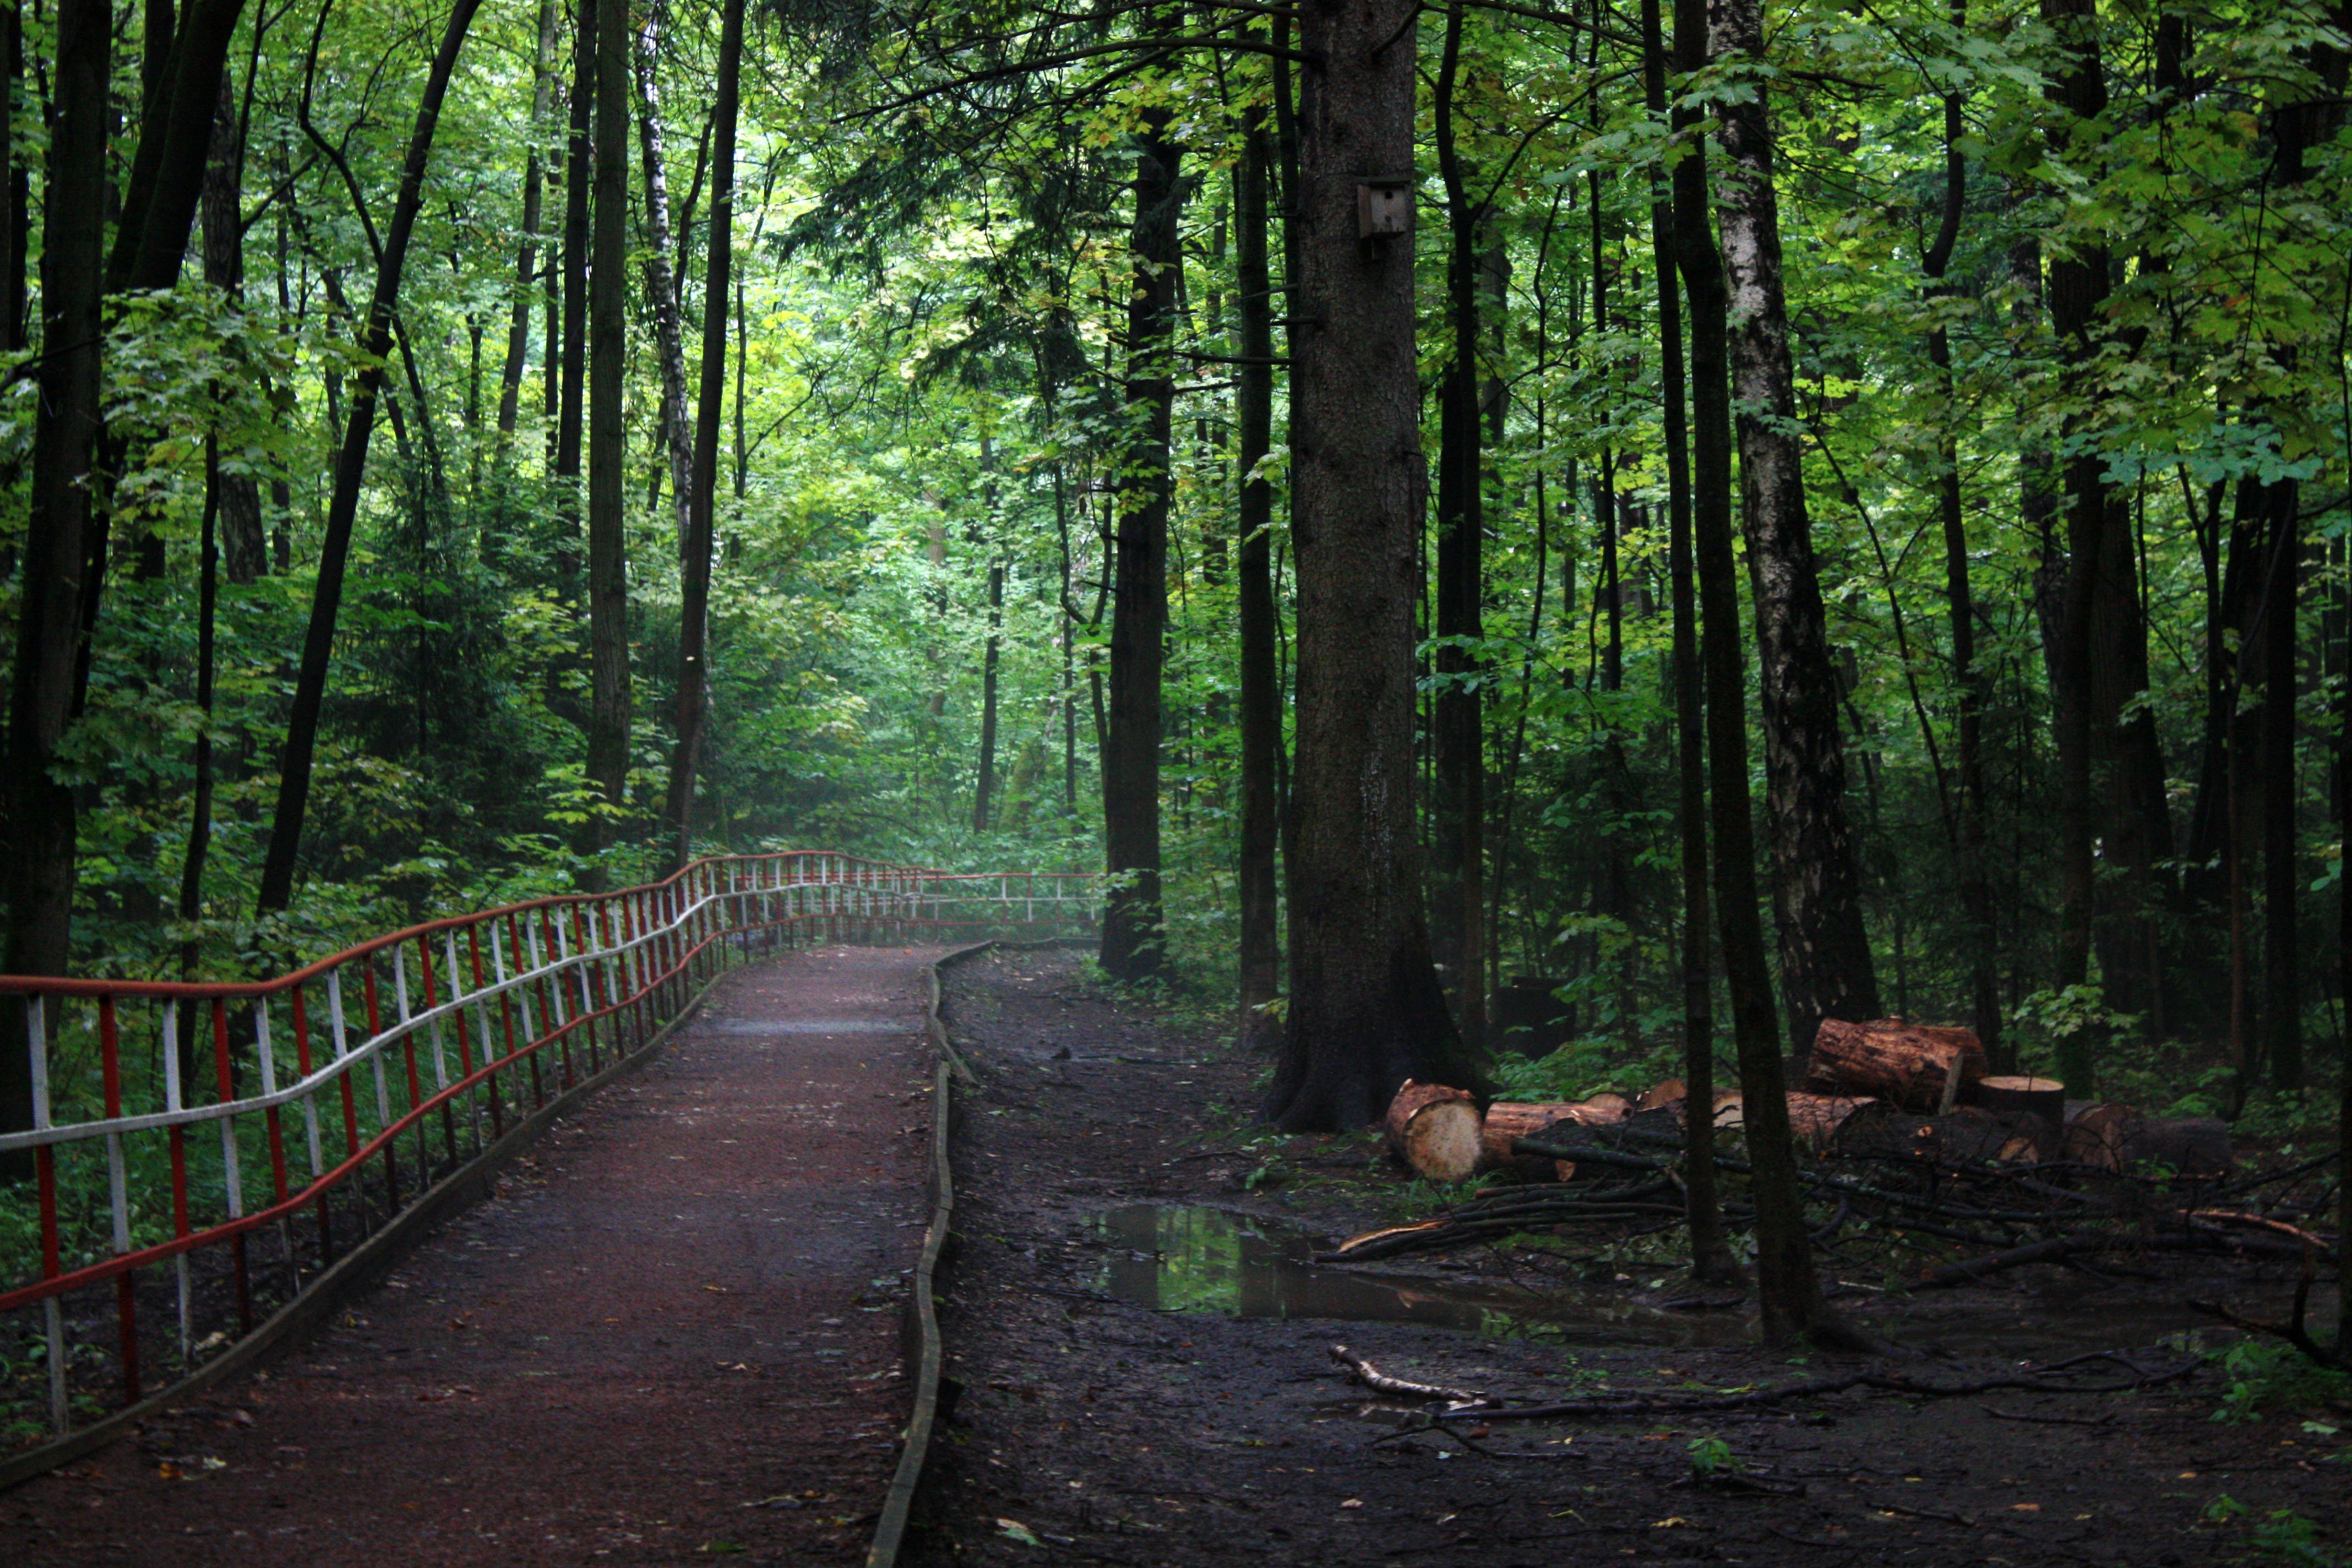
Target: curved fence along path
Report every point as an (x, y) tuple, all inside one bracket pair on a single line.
[(694, 1294)]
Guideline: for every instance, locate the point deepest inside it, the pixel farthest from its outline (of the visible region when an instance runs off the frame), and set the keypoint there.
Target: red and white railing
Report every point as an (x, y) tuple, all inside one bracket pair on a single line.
[(188, 1178)]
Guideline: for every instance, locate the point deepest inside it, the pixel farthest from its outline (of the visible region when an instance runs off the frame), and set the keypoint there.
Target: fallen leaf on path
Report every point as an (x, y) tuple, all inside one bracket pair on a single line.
[(1013, 1530)]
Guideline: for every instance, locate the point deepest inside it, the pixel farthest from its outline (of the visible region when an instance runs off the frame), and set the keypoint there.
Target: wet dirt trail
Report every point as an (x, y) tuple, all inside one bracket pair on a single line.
[(672, 1336), (1143, 1351)]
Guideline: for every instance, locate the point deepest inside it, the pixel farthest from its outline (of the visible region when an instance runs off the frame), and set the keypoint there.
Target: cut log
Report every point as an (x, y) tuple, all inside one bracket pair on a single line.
[(1670, 1092), (1816, 1117), (2043, 1097), (1918, 1067), (1969, 1136), (2192, 1145), (1509, 1121), (1434, 1130)]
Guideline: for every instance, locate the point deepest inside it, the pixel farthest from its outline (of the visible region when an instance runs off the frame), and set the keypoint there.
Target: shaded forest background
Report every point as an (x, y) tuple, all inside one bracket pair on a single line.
[(2067, 292)]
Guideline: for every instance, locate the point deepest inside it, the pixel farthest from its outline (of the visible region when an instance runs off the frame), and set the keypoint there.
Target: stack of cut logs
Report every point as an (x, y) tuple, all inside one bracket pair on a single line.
[(1930, 1078)]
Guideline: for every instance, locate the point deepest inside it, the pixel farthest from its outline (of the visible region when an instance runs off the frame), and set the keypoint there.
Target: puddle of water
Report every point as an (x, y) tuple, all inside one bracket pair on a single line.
[(806, 1026), (1187, 1259)]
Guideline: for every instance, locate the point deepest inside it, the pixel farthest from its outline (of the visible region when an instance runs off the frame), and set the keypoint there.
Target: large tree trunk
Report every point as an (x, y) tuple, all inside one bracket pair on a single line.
[(1711, 1253), (1260, 716), (1458, 821), (1133, 932), (40, 823), (1825, 962), (1788, 1290), (711, 408), (608, 435), (1366, 1012), (542, 96), (661, 281), (351, 471)]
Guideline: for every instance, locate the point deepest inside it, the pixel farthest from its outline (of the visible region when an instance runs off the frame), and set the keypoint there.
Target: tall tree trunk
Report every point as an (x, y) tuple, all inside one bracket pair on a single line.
[(1366, 1011), (40, 824), (711, 408), (661, 279), (243, 551), (984, 793), (175, 135), (1711, 1256), (2282, 955), (1260, 716), (1133, 934), (16, 203), (1825, 962), (2077, 291), (200, 807), (1789, 1292), (1458, 842), (542, 97), (579, 175), (1975, 878), (351, 471), (608, 435)]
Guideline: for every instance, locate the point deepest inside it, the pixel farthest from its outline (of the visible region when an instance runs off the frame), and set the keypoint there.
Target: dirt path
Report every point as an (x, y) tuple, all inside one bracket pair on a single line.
[(1153, 1387), (672, 1336)]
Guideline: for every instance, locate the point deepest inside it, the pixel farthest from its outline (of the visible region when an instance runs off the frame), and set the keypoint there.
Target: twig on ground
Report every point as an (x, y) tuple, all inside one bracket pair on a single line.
[(1378, 1382)]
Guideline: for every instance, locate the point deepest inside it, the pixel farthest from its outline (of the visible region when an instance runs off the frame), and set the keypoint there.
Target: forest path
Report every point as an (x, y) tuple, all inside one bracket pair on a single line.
[(673, 1333)]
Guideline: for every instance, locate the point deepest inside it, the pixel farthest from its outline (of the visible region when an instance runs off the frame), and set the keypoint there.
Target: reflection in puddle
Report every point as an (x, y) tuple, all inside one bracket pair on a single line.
[(1178, 1258), (1207, 1260)]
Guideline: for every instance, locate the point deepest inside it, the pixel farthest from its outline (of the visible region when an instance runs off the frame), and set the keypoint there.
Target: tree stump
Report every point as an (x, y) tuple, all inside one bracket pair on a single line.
[(2043, 1097), (1920, 1068), (1434, 1130)]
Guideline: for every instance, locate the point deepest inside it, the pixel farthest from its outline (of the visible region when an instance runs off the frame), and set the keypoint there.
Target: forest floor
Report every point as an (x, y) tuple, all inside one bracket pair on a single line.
[(1142, 1354), (672, 1337)]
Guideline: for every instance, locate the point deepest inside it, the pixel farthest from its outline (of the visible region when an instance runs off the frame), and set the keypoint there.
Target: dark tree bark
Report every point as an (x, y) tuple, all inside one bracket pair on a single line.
[(1711, 1256), (1260, 716), (608, 436), (1132, 931), (351, 471), (2077, 288), (579, 175), (661, 279), (1825, 962), (200, 808), (1789, 1292), (41, 819), (1974, 877), (16, 203), (1458, 820), (243, 551), (1365, 1011), (167, 172), (710, 415), (2282, 954), (542, 97)]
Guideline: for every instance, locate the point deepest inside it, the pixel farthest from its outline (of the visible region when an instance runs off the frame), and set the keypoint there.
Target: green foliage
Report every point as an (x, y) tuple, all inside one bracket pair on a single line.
[(2268, 1375)]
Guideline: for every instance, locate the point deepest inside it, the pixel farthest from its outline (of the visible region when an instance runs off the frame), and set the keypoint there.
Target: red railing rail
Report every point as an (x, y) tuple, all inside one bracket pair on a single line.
[(166, 1196)]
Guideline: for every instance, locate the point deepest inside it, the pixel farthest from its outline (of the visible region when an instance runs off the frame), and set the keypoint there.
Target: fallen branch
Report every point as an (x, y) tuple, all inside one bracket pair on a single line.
[(1814, 1388), (1975, 1269), (1378, 1382)]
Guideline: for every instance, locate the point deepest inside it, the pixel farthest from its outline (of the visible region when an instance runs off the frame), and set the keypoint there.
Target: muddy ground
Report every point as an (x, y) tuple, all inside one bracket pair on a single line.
[(1115, 1405)]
